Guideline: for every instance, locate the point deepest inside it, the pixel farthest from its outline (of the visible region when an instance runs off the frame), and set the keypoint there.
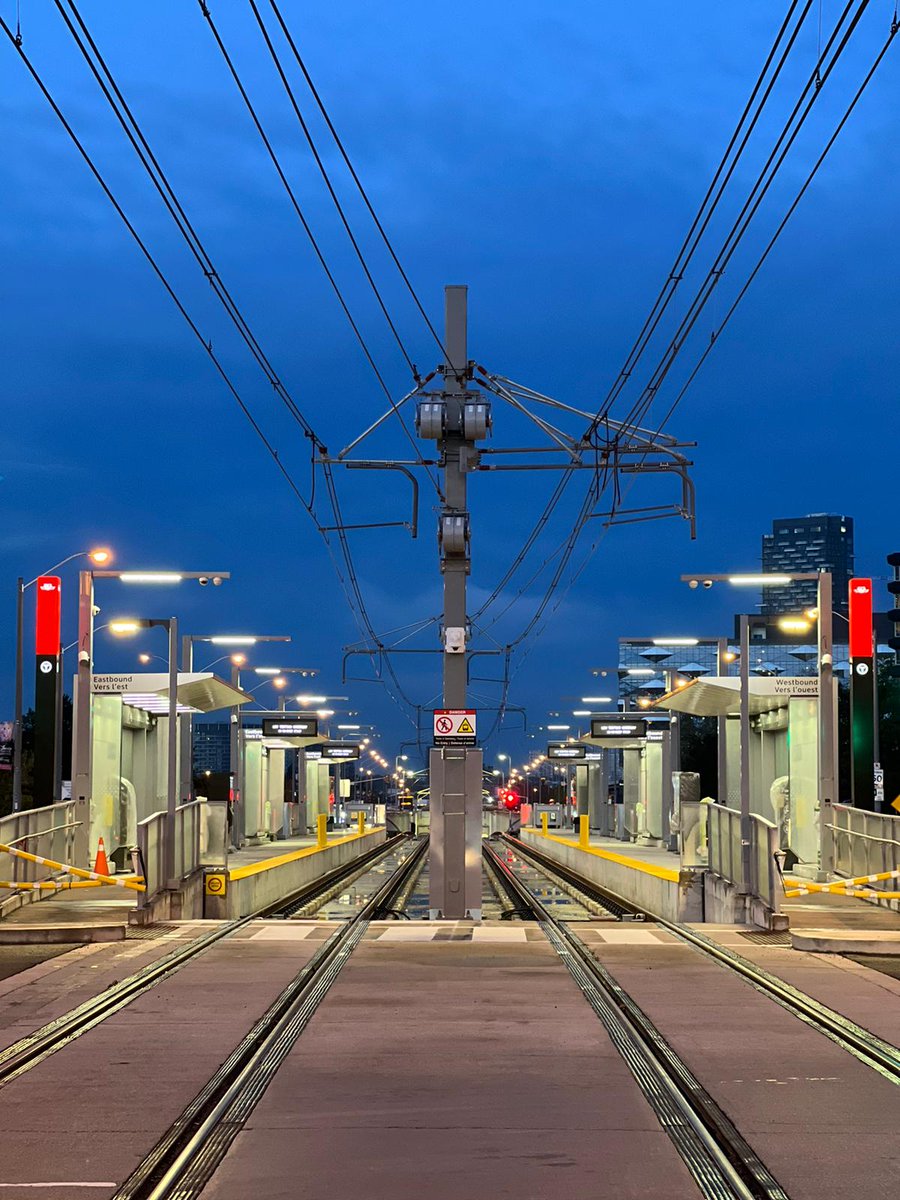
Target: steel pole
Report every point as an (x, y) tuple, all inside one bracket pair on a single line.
[(826, 724), (17, 727), (82, 782), (58, 731), (745, 752), (721, 725), (186, 726), (456, 450), (172, 752)]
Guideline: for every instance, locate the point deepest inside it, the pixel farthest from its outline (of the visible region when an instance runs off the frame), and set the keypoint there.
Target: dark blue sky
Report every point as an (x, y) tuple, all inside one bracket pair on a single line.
[(551, 160)]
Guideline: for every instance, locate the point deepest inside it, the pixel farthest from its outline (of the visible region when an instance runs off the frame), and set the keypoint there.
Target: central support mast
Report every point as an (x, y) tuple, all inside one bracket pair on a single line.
[(455, 418)]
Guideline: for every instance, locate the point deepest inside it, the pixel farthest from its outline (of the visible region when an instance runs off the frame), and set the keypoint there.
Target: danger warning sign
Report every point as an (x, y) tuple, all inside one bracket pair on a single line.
[(455, 727)]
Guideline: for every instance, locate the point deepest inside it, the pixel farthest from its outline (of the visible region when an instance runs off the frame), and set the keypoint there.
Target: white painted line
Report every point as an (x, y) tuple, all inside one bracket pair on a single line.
[(630, 937), (408, 933), (282, 933), (483, 933)]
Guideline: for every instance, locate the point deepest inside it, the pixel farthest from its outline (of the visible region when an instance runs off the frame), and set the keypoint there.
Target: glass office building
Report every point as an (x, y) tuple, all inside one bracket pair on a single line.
[(819, 542)]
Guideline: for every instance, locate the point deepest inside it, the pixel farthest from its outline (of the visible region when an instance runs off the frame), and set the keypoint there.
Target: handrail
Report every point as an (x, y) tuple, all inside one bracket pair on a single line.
[(26, 837)]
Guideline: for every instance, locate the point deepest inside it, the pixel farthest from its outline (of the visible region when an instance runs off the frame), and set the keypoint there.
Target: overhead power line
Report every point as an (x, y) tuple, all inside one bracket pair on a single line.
[(361, 189)]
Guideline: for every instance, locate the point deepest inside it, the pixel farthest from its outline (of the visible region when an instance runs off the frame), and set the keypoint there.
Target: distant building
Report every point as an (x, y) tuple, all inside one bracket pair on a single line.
[(818, 542), (212, 742)]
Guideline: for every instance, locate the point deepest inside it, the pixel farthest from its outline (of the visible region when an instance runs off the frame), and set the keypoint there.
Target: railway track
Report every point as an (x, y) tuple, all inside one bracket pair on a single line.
[(865, 1046), (26, 1053), (188, 1153), (721, 1161)]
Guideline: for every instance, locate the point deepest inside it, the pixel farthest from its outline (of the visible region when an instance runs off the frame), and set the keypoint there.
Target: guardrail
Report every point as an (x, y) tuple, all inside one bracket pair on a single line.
[(724, 840), (48, 832), (151, 839), (865, 843)]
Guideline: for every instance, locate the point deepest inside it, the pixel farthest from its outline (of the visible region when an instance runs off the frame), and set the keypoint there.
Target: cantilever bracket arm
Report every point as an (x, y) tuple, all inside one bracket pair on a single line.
[(394, 409), (376, 465)]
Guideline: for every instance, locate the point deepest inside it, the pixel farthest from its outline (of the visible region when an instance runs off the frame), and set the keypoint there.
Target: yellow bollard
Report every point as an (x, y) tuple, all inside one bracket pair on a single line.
[(545, 823), (321, 831), (583, 831), (361, 823)]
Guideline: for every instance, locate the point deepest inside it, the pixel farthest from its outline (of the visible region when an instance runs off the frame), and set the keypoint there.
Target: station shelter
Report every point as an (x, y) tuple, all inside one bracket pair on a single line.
[(784, 749), (129, 748), (642, 744)]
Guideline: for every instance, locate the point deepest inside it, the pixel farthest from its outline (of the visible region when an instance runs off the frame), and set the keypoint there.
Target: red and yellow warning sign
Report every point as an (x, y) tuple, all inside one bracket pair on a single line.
[(455, 727)]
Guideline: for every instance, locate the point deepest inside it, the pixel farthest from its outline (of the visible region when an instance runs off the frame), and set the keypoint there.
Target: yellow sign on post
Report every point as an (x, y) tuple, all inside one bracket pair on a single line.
[(360, 822), (216, 883), (583, 834), (895, 803), (321, 831), (545, 822)]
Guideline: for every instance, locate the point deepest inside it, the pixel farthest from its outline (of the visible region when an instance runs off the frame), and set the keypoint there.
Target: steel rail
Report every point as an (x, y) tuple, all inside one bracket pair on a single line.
[(867, 1047), (188, 1153), (32, 1049), (721, 1161)]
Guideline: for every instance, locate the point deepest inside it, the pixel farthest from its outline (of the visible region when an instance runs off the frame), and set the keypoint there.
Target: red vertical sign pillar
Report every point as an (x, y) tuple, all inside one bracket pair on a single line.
[(47, 668), (862, 695)]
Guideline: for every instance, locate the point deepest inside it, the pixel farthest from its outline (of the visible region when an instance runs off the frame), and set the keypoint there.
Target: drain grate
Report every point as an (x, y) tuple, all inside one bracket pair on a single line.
[(148, 932), (768, 939)]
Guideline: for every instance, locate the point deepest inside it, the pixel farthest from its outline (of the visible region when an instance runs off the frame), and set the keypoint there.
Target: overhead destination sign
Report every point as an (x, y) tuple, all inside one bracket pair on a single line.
[(569, 750), (340, 751), (602, 727), (290, 727), (455, 727)]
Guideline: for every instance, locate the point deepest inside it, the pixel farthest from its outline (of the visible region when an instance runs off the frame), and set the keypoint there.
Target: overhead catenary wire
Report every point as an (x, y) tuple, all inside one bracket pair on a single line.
[(307, 228), (356, 179), (350, 583), (323, 171), (158, 177), (153, 263), (709, 203), (813, 89)]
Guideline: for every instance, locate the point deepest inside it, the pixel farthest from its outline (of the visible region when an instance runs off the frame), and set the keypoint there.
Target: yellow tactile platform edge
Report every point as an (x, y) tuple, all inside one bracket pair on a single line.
[(267, 864)]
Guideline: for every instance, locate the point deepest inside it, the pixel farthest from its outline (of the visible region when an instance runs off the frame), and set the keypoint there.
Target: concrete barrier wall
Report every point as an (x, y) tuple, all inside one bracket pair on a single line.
[(672, 895), (267, 882)]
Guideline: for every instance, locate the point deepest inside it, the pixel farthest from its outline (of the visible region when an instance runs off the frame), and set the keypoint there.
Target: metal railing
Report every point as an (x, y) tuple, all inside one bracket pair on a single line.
[(49, 832), (151, 840), (866, 843), (724, 840)]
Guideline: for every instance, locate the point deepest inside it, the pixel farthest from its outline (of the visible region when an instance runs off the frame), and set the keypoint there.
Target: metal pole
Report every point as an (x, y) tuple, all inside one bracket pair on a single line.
[(745, 752), (455, 452), (721, 725), (172, 748), (186, 726), (82, 749), (17, 728), (58, 731), (674, 724), (826, 725), (234, 764)]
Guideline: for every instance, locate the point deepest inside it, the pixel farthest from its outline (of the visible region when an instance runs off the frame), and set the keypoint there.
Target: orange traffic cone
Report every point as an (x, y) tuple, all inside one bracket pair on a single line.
[(101, 866)]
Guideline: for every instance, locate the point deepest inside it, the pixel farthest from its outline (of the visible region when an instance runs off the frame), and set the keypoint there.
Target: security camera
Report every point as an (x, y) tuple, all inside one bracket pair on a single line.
[(203, 580), (827, 660), (707, 583), (84, 658), (693, 583), (95, 609), (217, 580)]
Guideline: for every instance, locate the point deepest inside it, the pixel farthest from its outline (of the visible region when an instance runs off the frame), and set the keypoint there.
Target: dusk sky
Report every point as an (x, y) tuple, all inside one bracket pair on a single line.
[(551, 157)]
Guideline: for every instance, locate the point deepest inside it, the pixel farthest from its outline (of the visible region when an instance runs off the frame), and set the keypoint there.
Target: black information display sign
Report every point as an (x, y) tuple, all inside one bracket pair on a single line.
[(571, 751), (340, 751), (285, 726), (621, 726)]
